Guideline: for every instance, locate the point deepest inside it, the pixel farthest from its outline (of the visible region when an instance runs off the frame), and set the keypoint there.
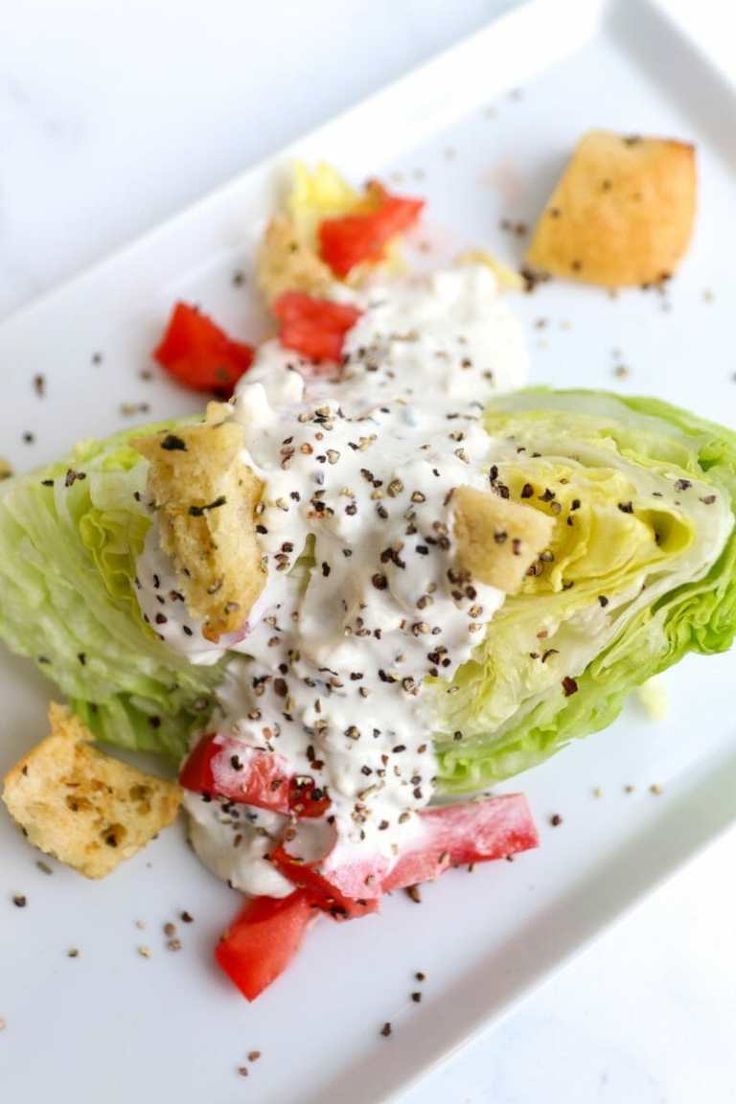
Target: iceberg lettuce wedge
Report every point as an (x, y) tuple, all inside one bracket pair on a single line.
[(641, 570), (69, 538)]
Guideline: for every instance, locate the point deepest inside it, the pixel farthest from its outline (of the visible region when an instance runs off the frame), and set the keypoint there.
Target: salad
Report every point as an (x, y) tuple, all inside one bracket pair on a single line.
[(376, 578)]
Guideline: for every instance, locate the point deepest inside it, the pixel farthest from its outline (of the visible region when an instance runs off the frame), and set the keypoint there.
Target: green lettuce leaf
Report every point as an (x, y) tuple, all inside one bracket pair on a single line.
[(642, 569), (69, 538)]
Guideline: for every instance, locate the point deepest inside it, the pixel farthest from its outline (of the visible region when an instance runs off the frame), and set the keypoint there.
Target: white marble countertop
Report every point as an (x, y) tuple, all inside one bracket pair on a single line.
[(98, 100)]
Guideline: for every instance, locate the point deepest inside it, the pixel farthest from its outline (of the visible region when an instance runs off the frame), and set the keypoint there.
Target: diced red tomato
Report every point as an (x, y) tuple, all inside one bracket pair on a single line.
[(354, 239), (315, 328), (342, 891), (469, 832), (268, 932), (306, 799), (451, 835), (197, 774), (198, 354), (262, 941), (223, 767)]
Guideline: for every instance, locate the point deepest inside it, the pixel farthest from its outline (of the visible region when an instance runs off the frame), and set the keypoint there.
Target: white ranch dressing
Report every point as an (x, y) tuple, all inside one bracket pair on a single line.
[(358, 475)]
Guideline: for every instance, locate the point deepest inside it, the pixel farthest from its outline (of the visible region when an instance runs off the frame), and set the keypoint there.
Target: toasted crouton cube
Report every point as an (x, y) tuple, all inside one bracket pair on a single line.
[(497, 540), (621, 214), (87, 809), (286, 262), (206, 497)]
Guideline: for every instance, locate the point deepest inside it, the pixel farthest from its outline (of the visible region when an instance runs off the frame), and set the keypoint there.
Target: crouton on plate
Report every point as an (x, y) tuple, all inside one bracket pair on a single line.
[(84, 807), (622, 212), (285, 262)]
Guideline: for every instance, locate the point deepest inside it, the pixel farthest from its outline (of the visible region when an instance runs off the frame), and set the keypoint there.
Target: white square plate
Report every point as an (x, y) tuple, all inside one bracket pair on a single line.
[(112, 1024)]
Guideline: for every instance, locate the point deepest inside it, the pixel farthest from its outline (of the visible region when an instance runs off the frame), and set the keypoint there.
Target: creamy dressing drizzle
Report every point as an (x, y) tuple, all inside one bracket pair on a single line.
[(363, 600)]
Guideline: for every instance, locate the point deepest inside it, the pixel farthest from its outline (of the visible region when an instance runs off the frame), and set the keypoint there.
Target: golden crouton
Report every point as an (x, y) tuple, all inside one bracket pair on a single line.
[(498, 540), (206, 497), (287, 262), (6, 470), (87, 809), (622, 213)]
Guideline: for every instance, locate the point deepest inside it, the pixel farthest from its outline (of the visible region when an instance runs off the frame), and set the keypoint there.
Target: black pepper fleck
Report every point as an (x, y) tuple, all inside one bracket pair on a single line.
[(172, 443)]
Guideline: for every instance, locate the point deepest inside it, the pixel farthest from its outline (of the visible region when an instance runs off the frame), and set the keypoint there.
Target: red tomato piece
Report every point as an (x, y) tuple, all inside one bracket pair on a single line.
[(341, 891), (315, 328), (354, 239), (451, 835), (196, 774), (469, 832), (199, 355), (262, 941), (306, 799), (221, 766)]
